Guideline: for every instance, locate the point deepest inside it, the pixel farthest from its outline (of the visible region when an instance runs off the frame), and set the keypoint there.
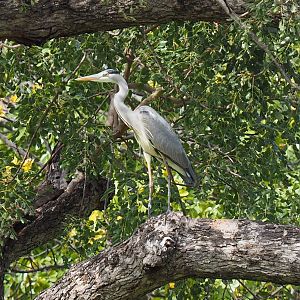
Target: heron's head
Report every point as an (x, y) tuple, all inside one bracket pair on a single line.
[(108, 75)]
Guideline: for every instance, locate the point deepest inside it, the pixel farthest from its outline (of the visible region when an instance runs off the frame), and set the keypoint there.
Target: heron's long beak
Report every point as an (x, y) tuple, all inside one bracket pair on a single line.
[(88, 78)]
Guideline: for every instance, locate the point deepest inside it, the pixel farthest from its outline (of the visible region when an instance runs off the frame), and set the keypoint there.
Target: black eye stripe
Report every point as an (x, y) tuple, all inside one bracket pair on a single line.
[(112, 71)]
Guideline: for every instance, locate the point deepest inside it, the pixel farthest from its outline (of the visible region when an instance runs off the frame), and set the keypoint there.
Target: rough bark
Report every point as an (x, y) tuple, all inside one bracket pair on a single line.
[(34, 22), (80, 198), (169, 248)]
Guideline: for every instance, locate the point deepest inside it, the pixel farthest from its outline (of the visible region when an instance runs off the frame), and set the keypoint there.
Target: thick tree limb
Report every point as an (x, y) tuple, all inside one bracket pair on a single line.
[(34, 22), (174, 247), (50, 218)]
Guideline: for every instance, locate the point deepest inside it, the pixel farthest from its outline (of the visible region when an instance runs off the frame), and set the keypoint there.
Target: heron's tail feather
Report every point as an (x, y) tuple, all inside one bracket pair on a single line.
[(186, 173), (190, 178)]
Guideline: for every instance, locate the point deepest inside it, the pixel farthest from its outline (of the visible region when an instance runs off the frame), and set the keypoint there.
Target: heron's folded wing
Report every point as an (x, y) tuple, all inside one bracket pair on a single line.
[(162, 136)]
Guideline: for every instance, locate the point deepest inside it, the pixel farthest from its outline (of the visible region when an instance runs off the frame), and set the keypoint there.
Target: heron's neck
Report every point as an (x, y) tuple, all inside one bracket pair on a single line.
[(124, 112)]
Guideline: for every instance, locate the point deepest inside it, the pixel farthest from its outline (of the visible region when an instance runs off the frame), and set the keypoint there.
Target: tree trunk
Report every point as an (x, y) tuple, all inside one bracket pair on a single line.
[(173, 247), (34, 22)]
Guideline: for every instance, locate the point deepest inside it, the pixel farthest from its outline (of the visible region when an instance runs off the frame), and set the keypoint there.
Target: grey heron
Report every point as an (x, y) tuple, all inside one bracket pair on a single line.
[(152, 132)]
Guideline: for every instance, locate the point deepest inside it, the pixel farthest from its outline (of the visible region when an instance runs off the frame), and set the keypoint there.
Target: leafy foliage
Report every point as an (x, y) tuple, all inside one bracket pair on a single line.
[(237, 117)]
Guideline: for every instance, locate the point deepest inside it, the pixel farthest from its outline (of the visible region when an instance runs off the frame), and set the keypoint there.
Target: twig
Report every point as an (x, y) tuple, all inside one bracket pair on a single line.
[(58, 146), (67, 79), (43, 117), (254, 296), (108, 181), (46, 268), (224, 290), (7, 119), (86, 139), (53, 255), (228, 10), (147, 88), (276, 291), (141, 86), (2, 45), (235, 174), (151, 28), (35, 133), (130, 58), (156, 94), (19, 150), (217, 149), (112, 116)]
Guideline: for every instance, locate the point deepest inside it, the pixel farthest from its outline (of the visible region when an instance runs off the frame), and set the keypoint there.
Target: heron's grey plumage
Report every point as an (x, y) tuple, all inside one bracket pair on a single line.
[(153, 133), (166, 142)]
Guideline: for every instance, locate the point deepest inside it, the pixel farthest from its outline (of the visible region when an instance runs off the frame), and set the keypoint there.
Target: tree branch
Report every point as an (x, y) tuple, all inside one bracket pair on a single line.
[(233, 15), (173, 247), (156, 94), (2, 45), (49, 220), (59, 18), (41, 269), (18, 150)]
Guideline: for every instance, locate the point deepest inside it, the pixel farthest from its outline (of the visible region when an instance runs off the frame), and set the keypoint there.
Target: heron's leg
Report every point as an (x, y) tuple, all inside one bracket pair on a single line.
[(169, 172), (148, 160)]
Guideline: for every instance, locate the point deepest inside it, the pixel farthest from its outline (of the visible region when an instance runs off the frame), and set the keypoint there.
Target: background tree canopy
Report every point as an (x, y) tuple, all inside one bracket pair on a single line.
[(237, 116)]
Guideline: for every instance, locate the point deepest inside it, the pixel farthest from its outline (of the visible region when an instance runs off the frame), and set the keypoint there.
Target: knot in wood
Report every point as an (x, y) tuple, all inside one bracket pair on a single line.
[(113, 259), (167, 244), (158, 250)]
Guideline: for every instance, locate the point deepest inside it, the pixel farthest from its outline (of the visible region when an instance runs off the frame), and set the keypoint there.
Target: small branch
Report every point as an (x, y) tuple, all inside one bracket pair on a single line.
[(230, 12), (112, 116), (67, 79), (147, 88), (50, 218), (7, 119), (56, 150), (155, 94), (130, 58), (42, 269), (277, 291), (141, 87), (246, 288), (18, 150), (151, 28), (2, 45), (44, 115)]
